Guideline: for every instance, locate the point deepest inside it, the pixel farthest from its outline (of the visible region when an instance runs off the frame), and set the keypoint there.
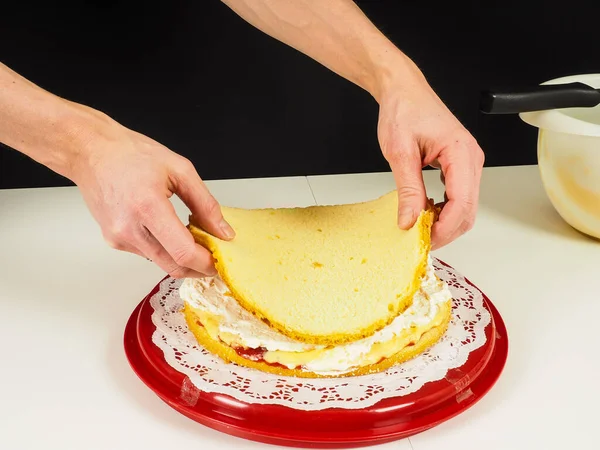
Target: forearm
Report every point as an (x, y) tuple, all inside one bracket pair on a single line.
[(335, 33), (39, 124)]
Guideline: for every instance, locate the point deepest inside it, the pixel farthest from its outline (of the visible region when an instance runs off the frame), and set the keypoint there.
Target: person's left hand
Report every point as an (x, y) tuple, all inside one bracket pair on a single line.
[(416, 129)]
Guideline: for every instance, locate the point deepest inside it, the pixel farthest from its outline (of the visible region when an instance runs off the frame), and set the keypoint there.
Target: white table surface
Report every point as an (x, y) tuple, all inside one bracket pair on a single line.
[(65, 297)]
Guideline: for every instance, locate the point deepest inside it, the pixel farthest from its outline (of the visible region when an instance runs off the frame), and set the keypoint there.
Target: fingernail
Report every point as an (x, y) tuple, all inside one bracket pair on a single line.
[(227, 230), (406, 217)]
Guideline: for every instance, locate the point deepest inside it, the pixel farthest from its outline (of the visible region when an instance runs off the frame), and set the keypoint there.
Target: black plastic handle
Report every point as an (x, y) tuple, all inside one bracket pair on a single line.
[(539, 98)]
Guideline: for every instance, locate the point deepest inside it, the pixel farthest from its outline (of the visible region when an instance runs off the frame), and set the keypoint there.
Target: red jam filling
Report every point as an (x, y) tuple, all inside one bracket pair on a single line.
[(253, 354), (256, 354)]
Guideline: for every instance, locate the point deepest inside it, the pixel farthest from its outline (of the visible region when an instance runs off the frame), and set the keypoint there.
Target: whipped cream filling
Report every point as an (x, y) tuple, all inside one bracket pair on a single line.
[(211, 295)]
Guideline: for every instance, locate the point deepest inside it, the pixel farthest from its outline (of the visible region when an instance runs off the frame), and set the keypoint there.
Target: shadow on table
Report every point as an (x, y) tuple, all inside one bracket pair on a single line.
[(524, 200)]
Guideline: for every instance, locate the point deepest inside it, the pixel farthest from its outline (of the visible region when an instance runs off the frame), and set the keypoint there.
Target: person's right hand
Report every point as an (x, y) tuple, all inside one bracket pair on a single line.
[(126, 180), (415, 130)]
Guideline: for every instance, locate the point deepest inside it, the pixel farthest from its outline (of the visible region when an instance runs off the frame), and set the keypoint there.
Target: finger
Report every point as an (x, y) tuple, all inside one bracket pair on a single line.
[(205, 209), (121, 243), (441, 233), (162, 222), (406, 167), (456, 218), (133, 250), (462, 174), (155, 252), (435, 164)]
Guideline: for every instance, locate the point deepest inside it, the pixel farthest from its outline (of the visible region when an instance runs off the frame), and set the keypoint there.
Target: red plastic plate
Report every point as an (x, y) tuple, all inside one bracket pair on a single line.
[(388, 420)]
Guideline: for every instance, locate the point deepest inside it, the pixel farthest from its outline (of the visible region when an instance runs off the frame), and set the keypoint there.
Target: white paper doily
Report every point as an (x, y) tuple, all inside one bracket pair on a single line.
[(209, 373)]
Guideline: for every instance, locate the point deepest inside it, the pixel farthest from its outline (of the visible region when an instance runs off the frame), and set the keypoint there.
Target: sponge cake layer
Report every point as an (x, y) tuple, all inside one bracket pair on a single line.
[(380, 358), (219, 323), (324, 275)]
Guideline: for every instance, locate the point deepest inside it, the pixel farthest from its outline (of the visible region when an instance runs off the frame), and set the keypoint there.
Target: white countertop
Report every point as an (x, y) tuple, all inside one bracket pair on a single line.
[(65, 297)]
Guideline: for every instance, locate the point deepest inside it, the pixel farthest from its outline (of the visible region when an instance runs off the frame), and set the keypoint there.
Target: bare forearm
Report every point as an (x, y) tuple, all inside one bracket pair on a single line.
[(39, 124), (335, 33)]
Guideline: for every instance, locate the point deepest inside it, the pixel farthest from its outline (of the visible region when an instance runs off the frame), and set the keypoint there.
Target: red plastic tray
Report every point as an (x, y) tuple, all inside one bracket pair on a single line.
[(388, 420)]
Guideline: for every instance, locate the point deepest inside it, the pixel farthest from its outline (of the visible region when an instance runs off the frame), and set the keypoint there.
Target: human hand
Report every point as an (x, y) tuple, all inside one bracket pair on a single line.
[(126, 180), (415, 130)]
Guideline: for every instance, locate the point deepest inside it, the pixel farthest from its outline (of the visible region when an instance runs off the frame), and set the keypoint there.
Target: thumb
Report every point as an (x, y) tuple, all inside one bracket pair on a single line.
[(407, 169), (206, 211)]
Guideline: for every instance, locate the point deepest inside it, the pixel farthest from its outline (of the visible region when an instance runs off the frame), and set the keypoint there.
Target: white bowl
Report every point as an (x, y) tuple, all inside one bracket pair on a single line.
[(569, 158)]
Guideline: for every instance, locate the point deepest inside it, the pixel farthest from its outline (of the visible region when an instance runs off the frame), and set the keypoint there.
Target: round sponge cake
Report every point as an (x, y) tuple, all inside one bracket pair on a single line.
[(324, 275)]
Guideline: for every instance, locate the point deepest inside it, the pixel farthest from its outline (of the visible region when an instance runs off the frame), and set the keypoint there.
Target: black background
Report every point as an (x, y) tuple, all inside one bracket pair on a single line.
[(197, 78)]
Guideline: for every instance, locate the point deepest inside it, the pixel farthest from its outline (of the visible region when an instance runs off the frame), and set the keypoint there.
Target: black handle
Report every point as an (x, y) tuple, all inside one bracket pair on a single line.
[(539, 98)]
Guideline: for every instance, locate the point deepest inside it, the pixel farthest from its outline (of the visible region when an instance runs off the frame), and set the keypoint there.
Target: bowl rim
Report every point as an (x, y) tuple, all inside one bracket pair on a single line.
[(556, 119)]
